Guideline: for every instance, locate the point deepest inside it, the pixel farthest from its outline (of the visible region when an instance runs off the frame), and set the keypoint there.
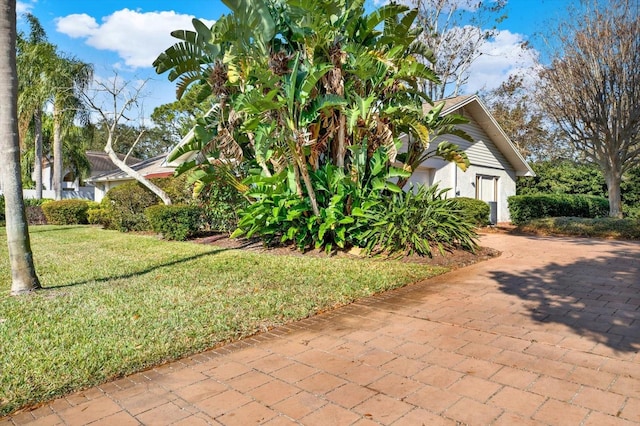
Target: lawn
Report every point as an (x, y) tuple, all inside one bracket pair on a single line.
[(116, 303)]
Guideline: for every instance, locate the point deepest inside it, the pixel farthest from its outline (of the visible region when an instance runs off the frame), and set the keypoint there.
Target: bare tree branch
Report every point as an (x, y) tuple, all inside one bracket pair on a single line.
[(592, 87), (121, 100)]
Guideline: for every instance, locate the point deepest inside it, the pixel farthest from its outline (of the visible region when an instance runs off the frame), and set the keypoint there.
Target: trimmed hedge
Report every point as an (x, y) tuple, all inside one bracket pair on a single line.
[(524, 208), (66, 212), (474, 211), (124, 207), (174, 222)]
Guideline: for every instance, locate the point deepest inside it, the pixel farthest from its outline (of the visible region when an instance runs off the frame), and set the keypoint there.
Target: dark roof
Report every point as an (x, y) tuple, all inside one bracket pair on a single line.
[(151, 168), (101, 163)]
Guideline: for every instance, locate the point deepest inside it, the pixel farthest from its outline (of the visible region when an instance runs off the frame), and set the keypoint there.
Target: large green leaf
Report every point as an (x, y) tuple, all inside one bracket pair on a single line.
[(452, 152)]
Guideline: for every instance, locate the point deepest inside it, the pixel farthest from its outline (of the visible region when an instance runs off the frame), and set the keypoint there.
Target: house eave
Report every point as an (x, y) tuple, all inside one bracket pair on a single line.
[(483, 117)]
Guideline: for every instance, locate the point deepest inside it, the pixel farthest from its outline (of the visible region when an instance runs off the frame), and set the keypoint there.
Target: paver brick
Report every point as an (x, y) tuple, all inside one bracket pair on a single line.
[(330, 414), (273, 392), (420, 416), (395, 386), (514, 377), (432, 398), (252, 413), (475, 387), (89, 411), (599, 400), (477, 367), (383, 409), (300, 405), (517, 401), (560, 413), (472, 412), (438, 376)]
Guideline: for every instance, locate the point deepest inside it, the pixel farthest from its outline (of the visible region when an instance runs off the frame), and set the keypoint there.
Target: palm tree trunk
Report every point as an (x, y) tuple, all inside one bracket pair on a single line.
[(37, 166), (57, 154), (23, 274)]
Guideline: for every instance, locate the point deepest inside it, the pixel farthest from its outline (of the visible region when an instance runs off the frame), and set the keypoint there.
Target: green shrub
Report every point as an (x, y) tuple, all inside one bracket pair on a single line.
[(220, 204), (631, 212), (524, 208), (174, 222), (99, 216), (413, 223), (474, 211), (66, 212), (35, 215), (178, 189), (125, 205), (2, 210), (604, 227)]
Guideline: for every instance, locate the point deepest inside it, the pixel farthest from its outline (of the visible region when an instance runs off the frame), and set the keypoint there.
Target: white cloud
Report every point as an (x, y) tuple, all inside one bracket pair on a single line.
[(138, 38), (77, 25), (502, 56), (24, 7)]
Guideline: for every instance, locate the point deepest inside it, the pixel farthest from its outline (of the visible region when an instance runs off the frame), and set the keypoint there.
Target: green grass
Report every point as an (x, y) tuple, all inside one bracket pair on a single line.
[(628, 229), (116, 303)]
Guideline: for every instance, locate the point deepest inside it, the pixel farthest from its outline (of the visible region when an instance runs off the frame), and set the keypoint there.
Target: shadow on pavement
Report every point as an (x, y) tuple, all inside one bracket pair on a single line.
[(599, 297)]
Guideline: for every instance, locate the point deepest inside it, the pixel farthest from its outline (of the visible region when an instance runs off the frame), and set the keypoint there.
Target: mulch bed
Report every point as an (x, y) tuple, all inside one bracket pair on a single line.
[(451, 259)]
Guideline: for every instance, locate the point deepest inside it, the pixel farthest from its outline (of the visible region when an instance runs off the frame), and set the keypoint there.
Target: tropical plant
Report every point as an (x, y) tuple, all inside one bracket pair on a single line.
[(299, 97), (35, 61), (47, 75), (414, 223), (71, 77)]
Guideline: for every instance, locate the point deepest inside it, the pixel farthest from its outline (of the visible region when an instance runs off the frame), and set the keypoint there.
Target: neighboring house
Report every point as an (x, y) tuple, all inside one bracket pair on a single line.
[(72, 185), (495, 161), (152, 168)]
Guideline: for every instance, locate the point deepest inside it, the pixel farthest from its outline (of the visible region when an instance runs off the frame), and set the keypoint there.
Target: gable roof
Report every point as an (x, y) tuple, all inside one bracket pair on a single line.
[(101, 163), (151, 168), (474, 107)]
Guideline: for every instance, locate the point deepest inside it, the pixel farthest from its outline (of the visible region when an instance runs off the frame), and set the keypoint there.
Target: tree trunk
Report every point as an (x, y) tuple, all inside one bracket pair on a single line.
[(134, 174), (342, 131), (57, 154), (23, 274), (615, 198), (37, 166), (304, 172)]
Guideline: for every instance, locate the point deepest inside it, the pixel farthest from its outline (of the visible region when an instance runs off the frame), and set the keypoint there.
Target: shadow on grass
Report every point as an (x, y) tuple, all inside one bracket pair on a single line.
[(138, 273), (598, 297)]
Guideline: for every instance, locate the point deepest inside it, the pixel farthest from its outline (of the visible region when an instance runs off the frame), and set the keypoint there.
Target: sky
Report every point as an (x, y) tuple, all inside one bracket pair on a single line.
[(125, 36)]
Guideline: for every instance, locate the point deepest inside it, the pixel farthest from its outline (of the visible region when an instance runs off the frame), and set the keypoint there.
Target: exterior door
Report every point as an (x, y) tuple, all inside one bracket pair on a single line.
[(487, 188)]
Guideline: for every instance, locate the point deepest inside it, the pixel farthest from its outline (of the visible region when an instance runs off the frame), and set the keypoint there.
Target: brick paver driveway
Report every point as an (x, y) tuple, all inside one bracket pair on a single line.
[(548, 333)]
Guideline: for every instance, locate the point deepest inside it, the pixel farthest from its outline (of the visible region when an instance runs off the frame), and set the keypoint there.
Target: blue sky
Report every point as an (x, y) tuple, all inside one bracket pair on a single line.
[(126, 35)]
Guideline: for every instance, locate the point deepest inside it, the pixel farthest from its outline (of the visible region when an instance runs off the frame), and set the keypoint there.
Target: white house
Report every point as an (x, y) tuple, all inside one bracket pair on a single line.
[(151, 168), (72, 185), (495, 161)]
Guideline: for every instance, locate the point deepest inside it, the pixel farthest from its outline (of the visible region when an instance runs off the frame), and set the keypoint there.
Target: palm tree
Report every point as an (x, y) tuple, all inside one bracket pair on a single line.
[(70, 78), (24, 278), (35, 57)]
